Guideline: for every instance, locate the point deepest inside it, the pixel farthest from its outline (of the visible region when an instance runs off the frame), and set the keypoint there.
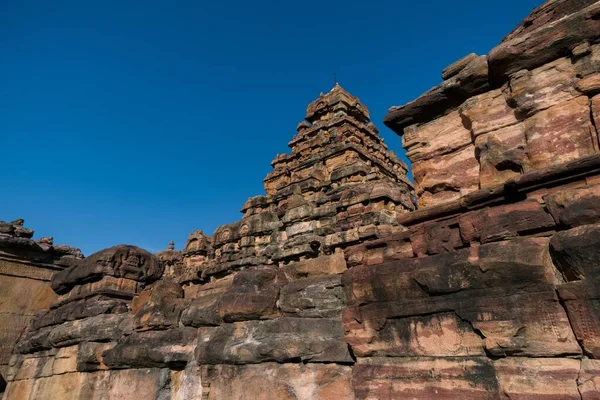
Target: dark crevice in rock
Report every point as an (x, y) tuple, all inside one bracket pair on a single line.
[(352, 355), (564, 307), (596, 139), (578, 381), (509, 165)]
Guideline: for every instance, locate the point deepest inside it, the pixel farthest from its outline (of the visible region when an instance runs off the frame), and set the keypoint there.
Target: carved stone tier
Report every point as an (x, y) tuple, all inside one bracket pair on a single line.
[(338, 186)]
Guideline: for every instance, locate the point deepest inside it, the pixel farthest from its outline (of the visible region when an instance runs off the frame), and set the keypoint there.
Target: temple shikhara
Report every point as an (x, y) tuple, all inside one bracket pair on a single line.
[(478, 279)]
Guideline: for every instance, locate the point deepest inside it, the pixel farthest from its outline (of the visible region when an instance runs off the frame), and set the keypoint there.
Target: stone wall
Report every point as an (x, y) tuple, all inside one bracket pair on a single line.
[(490, 297), (531, 103), (333, 286), (26, 267)]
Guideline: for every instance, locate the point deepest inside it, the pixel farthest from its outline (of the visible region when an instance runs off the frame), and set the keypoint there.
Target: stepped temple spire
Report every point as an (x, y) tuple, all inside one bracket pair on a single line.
[(338, 186)]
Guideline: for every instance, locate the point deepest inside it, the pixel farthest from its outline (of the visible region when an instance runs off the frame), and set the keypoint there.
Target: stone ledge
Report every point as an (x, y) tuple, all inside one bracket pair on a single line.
[(528, 182)]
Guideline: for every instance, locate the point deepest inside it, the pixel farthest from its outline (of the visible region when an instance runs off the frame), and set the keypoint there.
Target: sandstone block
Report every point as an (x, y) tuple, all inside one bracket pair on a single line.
[(590, 84), (65, 360), (158, 307), (323, 265), (379, 251), (89, 356), (19, 295), (446, 378), (172, 348), (582, 302), (124, 384), (436, 237), (301, 227), (589, 379), (547, 13), (278, 381), (501, 155), (203, 311), (241, 304), (354, 168), (24, 272), (30, 368), (443, 334), (561, 133), (529, 324), (101, 328), (107, 286), (197, 244), (504, 221), (298, 213), (576, 252), (79, 309), (445, 178), (263, 223), (470, 81), (187, 383), (588, 62), (120, 261), (538, 378), (12, 327), (317, 297), (545, 39), (128, 384), (443, 135), (457, 66), (391, 191), (43, 364), (253, 294), (501, 292), (34, 340), (282, 340), (575, 207), (66, 386), (543, 87), (214, 287), (488, 112), (519, 261)]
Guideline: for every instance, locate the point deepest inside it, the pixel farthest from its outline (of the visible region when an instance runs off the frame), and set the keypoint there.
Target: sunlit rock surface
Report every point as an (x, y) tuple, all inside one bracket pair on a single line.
[(344, 281)]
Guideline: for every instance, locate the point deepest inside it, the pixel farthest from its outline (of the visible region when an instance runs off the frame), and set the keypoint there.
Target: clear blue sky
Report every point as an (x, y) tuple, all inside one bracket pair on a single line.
[(138, 122)]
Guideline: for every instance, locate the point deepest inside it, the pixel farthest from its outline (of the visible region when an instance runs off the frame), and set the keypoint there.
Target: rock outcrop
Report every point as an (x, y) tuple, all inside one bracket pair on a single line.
[(336, 285), (528, 105), (26, 267)]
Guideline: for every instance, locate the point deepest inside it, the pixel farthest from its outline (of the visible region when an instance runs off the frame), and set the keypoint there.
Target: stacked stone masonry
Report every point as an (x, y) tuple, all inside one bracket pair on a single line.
[(335, 284), (531, 103), (26, 267)]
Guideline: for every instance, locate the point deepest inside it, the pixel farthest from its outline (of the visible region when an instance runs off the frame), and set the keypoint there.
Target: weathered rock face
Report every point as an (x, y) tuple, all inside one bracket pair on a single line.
[(265, 289), (425, 378), (531, 111), (127, 262), (332, 285), (26, 267), (282, 340), (278, 381), (493, 297)]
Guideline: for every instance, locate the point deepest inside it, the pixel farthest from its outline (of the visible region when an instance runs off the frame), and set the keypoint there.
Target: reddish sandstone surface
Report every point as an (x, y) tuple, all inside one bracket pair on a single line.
[(345, 282)]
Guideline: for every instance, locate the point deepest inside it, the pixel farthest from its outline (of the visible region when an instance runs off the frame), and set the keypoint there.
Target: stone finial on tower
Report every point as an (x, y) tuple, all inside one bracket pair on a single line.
[(336, 102)]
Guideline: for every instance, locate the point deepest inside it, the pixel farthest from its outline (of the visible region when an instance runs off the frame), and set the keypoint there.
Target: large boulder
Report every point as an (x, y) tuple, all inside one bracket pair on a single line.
[(121, 261)]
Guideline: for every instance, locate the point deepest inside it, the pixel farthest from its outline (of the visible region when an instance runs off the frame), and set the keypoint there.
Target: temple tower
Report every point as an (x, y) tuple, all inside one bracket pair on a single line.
[(338, 186)]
